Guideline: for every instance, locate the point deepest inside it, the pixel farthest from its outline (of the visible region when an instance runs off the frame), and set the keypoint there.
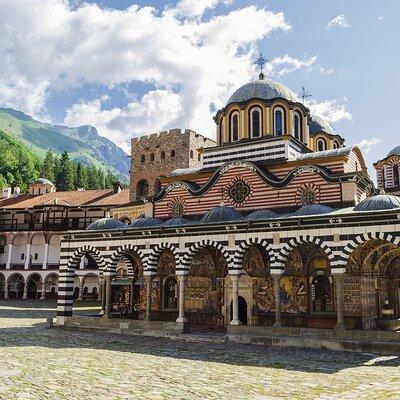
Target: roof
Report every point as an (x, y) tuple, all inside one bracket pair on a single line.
[(106, 224), (262, 214), (394, 152), (221, 213), (262, 89), (378, 202), (43, 181), (145, 222), (344, 151), (177, 221), (116, 199), (184, 171), (312, 209), (319, 124), (73, 198)]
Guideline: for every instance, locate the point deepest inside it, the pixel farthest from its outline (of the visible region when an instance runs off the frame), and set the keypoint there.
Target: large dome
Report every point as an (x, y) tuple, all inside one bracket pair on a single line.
[(394, 152), (106, 223), (378, 202), (221, 214), (262, 89), (318, 124)]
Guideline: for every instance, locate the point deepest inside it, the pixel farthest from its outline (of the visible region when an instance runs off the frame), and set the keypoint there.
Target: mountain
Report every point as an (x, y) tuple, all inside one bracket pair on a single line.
[(82, 143)]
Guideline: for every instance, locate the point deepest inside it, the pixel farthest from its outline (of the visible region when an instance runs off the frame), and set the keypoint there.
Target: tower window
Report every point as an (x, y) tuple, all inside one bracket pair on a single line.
[(298, 131), (255, 122), (279, 124), (191, 154), (162, 155), (172, 153), (152, 157), (321, 144), (235, 127), (142, 158), (335, 144)]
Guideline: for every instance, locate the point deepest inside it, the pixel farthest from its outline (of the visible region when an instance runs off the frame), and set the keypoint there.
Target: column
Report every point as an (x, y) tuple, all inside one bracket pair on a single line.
[(9, 256), (108, 297), (148, 297), (81, 283), (25, 294), (103, 296), (43, 294), (27, 256), (6, 289), (277, 291), (181, 280), (131, 298), (338, 277), (235, 300), (46, 255), (82, 263)]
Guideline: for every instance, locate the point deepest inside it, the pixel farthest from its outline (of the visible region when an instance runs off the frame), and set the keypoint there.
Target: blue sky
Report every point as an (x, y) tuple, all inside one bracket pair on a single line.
[(130, 69)]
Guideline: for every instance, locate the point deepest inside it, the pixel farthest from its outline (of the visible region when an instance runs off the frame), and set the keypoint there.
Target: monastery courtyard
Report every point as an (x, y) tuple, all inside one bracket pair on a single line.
[(42, 363)]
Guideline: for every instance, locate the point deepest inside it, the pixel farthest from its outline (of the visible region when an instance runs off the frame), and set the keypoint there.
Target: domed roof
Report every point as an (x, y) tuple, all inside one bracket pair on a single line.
[(261, 214), (319, 124), (145, 222), (220, 214), (312, 209), (43, 181), (378, 202), (177, 221), (106, 224), (394, 152), (262, 89)]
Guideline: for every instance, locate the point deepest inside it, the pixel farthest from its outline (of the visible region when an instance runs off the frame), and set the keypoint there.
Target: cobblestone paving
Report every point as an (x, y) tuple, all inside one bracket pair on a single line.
[(41, 363)]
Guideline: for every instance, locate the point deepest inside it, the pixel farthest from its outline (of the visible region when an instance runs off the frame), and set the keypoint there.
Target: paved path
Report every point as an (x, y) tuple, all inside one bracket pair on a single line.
[(40, 363)]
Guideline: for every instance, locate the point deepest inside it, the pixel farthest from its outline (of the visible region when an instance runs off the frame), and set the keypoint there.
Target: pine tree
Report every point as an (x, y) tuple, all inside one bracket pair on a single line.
[(65, 177), (48, 166), (81, 179), (93, 178)]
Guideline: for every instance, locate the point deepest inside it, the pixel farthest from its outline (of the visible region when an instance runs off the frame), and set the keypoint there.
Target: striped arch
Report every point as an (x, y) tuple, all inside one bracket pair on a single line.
[(244, 246), (152, 260), (361, 239), (94, 253), (118, 255), (193, 250), (295, 242)]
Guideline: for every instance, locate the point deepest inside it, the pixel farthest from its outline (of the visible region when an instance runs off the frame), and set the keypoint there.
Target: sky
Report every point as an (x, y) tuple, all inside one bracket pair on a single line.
[(138, 67)]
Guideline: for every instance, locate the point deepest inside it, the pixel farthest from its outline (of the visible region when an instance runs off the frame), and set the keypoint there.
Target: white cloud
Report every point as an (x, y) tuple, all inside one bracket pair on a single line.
[(331, 110), (338, 22), (380, 18), (192, 64), (367, 144), (286, 64)]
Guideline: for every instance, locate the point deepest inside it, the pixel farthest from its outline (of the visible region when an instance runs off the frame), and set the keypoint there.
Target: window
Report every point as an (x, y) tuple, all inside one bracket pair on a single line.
[(308, 197), (172, 153), (157, 187), (171, 293), (239, 191), (235, 127), (152, 157), (162, 155), (36, 257), (335, 144), (178, 208), (142, 158), (199, 157), (321, 144), (322, 299), (396, 175), (142, 189), (298, 132), (279, 123), (255, 123), (191, 154), (22, 256)]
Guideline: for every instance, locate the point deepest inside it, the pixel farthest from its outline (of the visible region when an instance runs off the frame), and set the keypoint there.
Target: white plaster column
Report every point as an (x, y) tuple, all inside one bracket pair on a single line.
[(43, 294), (235, 300), (242, 129), (6, 289), (182, 281), (82, 263), (291, 118), (27, 256), (276, 275), (9, 256), (25, 294), (338, 278), (46, 256), (81, 284), (148, 297)]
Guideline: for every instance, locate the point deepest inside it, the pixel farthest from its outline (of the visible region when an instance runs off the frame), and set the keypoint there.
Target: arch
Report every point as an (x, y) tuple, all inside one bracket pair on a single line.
[(151, 157), (244, 246), (49, 275), (117, 256), (279, 121), (234, 126), (336, 144), (172, 153), (256, 122), (361, 239), (157, 187), (192, 250), (295, 242), (162, 155), (298, 126), (78, 254), (154, 255), (142, 189), (143, 158), (321, 144)]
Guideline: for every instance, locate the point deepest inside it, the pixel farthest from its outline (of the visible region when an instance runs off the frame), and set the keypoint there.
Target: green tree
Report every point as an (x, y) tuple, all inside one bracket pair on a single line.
[(93, 178), (65, 177), (48, 169), (81, 179)]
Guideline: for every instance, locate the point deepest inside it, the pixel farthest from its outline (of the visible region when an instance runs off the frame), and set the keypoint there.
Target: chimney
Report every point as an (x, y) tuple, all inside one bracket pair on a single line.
[(17, 191), (117, 187), (7, 192)]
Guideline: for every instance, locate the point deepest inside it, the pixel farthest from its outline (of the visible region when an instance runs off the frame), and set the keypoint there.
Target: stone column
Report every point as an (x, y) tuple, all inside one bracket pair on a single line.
[(27, 256), (43, 294), (108, 296), (338, 277), (9, 256), (25, 294), (6, 289), (148, 297), (235, 300), (46, 255), (81, 284), (181, 280), (131, 299), (277, 291)]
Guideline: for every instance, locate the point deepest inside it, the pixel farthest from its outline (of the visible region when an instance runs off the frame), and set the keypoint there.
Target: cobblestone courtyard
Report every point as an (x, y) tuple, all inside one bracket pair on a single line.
[(41, 363)]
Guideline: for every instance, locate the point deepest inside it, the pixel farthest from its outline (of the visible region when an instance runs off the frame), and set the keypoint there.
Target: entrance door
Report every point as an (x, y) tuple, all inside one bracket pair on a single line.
[(242, 310)]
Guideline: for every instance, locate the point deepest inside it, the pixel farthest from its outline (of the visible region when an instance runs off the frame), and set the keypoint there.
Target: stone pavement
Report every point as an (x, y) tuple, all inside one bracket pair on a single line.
[(41, 363)]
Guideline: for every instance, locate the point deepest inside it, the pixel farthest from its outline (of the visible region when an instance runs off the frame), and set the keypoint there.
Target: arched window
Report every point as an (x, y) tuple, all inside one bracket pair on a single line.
[(297, 122), (142, 189), (157, 187), (222, 131), (191, 154), (321, 144), (199, 157), (235, 127), (322, 298), (255, 122), (36, 257), (142, 158), (22, 256), (171, 293), (396, 175), (172, 153), (279, 121), (162, 155), (152, 157), (335, 144)]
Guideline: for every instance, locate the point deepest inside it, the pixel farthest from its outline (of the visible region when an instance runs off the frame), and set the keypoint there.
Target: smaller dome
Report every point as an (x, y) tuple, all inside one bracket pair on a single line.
[(221, 214), (177, 221), (394, 152), (261, 214), (42, 181), (145, 222), (312, 209), (104, 224), (378, 202), (319, 124)]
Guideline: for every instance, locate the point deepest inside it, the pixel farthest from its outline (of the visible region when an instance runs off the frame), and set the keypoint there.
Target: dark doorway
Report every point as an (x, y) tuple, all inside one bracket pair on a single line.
[(242, 310)]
